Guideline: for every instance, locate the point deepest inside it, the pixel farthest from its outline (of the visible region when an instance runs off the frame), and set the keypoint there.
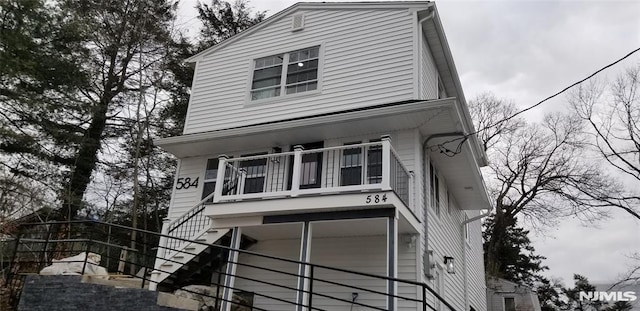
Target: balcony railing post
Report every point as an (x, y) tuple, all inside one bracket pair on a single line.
[(162, 254), (297, 167), (162, 244), (410, 188), (386, 162), (222, 169)]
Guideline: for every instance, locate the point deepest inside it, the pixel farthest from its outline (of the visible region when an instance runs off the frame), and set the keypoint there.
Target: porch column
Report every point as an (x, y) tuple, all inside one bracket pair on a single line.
[(386, 162), (304, 271), (297, 167), (392, 260), (230, 275)]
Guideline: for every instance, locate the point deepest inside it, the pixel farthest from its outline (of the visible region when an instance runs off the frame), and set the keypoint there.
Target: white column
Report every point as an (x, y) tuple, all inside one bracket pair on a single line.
[(230, 276), (222, 169), (297, 168), (392, 261), (304, 271)]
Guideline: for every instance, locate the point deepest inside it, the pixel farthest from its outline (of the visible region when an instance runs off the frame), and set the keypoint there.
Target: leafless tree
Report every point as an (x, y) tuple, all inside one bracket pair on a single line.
[(612, 114), (494, 116), (538, 171)]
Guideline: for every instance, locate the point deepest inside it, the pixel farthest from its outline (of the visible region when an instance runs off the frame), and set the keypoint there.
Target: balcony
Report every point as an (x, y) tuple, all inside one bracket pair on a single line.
[(351, 169)]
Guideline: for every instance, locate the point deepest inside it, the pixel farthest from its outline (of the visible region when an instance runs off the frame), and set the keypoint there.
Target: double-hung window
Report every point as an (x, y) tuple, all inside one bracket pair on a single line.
[(351, 171), (288, 73), (267, 77), (256, 171)]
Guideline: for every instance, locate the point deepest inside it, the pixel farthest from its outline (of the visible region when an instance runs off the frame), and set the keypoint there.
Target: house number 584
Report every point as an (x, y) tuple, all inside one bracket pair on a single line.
[(376, 198), (186, 183)]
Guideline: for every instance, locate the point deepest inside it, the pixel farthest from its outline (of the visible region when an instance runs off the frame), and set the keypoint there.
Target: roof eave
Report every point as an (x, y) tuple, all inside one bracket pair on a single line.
[(459, 93)]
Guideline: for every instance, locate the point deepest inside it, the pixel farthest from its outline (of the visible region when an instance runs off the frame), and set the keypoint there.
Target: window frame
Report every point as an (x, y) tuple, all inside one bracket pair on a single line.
[(353, 166), (504, 303), (283, 76), (434, 188)]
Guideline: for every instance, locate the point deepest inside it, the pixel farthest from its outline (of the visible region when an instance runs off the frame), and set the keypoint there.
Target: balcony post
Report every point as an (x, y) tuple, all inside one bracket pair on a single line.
[(410, 188), (386, 162), (297, 168), (222, 169)]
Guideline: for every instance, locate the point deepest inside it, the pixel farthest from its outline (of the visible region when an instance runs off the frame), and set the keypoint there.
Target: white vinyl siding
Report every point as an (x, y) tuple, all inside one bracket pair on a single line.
[(184, 199), (289, 249), (365, 60), (365, 254), (428, 74), (475, 265), (446, 238)]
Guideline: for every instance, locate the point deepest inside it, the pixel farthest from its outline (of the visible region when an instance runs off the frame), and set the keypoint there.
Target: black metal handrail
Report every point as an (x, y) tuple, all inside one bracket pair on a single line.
[(43, 249), (193, 220)]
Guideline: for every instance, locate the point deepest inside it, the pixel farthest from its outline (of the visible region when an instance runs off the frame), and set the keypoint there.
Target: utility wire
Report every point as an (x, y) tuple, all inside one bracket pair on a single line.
[(464, 137)]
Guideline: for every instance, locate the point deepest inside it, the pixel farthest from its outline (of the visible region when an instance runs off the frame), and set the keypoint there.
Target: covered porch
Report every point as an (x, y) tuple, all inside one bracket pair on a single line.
[(336, 261)]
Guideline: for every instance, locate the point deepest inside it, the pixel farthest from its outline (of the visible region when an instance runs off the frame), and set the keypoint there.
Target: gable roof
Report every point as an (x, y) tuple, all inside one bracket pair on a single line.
[(308, 5)]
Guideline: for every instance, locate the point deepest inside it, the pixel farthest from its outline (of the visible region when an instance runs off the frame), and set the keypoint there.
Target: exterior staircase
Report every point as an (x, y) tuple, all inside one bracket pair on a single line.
[(177, 248)]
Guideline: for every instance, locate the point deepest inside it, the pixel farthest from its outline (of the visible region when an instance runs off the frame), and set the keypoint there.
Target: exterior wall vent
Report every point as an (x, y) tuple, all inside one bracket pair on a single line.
[(298, 22)]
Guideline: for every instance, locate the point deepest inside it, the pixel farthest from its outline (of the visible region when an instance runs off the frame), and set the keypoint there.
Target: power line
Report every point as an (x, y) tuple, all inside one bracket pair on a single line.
[(464, 137)]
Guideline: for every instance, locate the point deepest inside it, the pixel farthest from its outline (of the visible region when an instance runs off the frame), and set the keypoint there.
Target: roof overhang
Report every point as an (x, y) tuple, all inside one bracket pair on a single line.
[(385, 118), (433, 32), (461, 171)]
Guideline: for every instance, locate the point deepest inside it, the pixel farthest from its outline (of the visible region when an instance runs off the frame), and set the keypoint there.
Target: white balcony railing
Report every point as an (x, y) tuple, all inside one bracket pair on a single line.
[(358, 167)]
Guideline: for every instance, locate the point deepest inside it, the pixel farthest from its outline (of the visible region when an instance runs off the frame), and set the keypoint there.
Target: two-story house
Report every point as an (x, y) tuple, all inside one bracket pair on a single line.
[(332, 139)]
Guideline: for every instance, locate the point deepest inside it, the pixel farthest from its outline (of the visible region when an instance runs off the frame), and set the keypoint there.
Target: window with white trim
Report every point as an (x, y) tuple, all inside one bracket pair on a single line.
[(283, 74), (434, 185), (210, 175), (509, 304)]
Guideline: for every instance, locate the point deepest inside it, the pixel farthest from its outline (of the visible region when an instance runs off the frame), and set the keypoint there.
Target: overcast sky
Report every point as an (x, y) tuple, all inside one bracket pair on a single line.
[(526, 51)]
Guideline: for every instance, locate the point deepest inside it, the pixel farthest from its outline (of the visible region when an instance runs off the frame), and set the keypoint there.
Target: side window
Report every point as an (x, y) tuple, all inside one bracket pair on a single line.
[(509, 304), (210, 175), (466, 229), (434, 189)]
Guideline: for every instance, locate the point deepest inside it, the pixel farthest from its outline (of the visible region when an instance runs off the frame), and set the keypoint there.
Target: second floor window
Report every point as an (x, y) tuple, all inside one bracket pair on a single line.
[(288, 73)]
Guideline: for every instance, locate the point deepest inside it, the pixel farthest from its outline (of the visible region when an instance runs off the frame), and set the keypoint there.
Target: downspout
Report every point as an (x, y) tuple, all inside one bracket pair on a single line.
[(425, 207)]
